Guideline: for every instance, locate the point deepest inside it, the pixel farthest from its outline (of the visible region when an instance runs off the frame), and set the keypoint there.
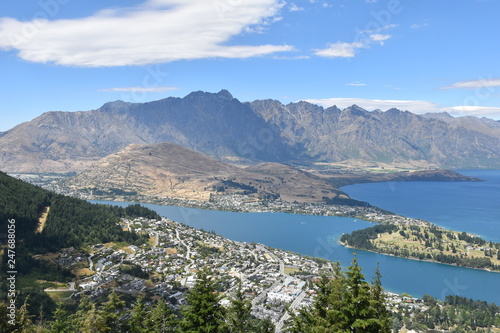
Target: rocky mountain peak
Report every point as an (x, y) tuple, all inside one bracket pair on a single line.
[(437, 115), (225, 94), (356, 111), (115, 106)]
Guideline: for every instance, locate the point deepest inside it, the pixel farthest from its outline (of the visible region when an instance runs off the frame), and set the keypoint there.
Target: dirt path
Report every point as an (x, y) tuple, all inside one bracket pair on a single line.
[(42, 220)]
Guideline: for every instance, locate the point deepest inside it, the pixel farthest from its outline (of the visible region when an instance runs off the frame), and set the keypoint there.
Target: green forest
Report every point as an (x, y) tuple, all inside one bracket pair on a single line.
[(71, 222)]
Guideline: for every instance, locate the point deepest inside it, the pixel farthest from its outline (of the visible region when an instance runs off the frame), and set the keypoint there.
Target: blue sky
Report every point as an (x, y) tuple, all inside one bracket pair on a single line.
[(417, 55)]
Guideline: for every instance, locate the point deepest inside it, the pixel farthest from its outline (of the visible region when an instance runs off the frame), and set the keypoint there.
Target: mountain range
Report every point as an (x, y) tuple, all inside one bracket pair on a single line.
[(228, 130)]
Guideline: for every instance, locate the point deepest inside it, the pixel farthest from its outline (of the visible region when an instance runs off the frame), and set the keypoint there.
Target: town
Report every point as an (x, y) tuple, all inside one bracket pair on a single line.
[(274, 280)]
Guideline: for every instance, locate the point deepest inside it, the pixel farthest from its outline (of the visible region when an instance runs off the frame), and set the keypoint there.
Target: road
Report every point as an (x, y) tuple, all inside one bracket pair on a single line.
[(263, 294), (292, 307), (187, 268)]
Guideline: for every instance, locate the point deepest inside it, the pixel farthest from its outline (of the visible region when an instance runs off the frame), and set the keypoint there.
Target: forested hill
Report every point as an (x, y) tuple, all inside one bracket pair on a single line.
[(70, 221)]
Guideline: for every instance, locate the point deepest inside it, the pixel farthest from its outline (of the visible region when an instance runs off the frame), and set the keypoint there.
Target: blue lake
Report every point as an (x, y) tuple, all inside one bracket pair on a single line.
[(463, 206), (318, 236)]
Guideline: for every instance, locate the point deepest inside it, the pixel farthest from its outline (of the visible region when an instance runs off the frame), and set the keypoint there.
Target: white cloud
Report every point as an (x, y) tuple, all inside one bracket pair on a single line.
[(294, 8), (473, 84), (383, 28), (419, 26), (415, 106), (141, 89), (379, 37), (348, 50), (156, 31), (299, 57), (391, 86), (356, 84), (480, 111), (339, 50)]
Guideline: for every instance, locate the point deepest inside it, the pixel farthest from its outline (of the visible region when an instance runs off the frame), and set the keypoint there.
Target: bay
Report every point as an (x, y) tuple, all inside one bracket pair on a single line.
[(318, 236), (463, 206)]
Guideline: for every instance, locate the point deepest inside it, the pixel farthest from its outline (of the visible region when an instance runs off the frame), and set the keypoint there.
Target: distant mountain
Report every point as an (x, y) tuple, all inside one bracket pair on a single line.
[(222, 127), (215, 124), (393, 136), (170, 170)]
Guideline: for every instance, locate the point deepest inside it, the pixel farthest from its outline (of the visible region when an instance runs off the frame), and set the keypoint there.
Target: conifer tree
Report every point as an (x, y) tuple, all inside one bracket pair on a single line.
[(23, 322), (139, 321), (110, 313), (379, 302), (239, 313), (93, 321), (81, 314), (163, 319), (62, 322), (203, 314), (345, 303)]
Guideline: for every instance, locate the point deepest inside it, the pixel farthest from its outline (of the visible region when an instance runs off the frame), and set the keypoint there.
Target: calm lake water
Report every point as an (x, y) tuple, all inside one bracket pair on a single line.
[(318, 235), (464, 206)]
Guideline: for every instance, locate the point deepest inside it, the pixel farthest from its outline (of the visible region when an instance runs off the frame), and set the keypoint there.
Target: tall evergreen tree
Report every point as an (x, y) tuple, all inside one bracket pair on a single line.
[(238, 315), (93, 321), (23, 322), (110, 313), (139, 318), (163, 319), (62, 322), (203, 314), (345, 303), (379, 302)]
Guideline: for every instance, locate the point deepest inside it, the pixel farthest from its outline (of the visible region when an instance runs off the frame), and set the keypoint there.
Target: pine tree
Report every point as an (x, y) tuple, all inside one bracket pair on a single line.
[(239, 313), (163, 319), (357, 307), (23, 322), (203, 314), (93, 321), (81, 314), (379, 302), (110, 313), (62, 322), (345, 303), (138, 321)]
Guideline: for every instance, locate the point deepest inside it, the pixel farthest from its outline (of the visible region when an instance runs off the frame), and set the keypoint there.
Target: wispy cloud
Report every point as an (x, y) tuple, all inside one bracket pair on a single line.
[(141, 89), (473, 84), (156, 31), (378, 30), (356, 84), (424, 24), (419, 26), (379, 37), (391, 86), (364, 39), (294, 8), (339, 50), (480, 111), (299, 57)]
